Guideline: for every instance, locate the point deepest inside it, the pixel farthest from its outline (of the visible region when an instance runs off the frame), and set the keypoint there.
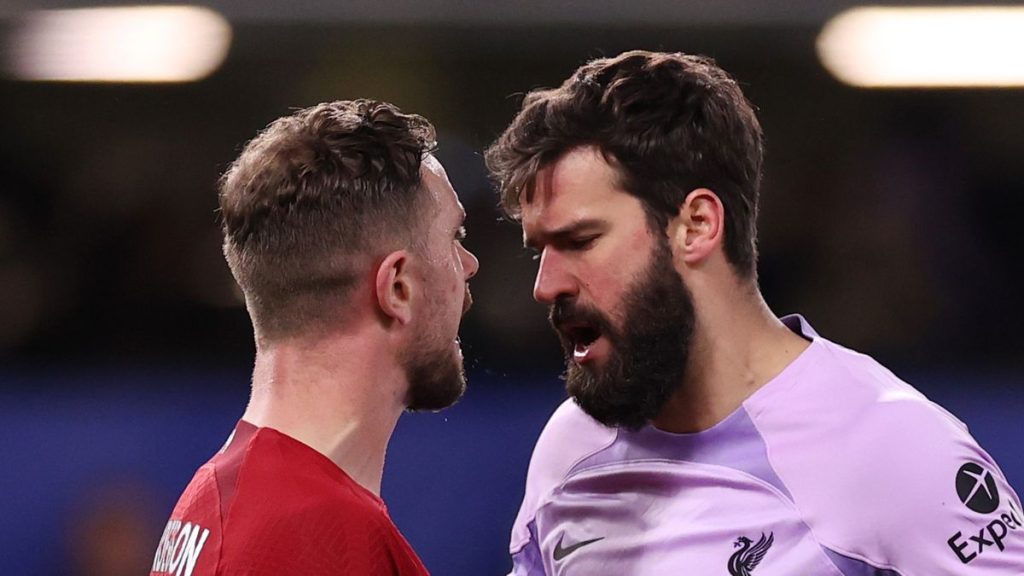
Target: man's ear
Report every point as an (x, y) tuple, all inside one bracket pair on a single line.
[(700, 226), (394, 286)]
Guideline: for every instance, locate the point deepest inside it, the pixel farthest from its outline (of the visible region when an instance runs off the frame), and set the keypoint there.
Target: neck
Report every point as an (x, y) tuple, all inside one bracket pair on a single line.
[(739, 346), (333, 394)]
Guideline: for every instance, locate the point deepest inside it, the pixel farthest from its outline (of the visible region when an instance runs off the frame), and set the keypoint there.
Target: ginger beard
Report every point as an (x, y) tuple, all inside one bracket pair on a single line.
[(649, 351), (434, 367)]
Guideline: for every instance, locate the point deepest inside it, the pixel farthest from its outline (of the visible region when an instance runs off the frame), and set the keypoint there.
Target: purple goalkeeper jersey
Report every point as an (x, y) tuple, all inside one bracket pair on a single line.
[(834, 467)]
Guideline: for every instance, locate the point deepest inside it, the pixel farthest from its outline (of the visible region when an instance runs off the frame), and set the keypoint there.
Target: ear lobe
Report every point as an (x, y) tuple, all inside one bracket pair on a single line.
[(702, 226), (394, 287)]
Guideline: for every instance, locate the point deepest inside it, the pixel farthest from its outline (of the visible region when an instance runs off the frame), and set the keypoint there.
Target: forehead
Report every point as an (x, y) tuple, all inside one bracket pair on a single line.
[(581, 185), (435, 180)]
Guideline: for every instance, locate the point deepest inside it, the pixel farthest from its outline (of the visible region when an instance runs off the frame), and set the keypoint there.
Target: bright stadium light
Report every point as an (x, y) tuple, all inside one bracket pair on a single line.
[(977, 46), (125, 44)]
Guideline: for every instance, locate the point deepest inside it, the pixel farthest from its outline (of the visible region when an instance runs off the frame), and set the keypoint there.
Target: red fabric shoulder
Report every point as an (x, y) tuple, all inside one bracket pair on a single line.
[(267, 504), (294, 511)]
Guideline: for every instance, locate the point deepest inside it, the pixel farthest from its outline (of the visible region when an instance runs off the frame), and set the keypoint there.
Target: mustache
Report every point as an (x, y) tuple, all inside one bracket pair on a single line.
[(565, 313)]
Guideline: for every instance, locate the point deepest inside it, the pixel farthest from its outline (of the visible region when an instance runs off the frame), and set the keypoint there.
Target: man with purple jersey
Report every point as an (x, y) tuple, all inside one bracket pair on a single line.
[(705, 435)]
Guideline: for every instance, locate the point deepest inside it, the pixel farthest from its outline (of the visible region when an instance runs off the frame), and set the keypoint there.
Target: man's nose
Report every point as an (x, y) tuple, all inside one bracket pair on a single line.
[(470, 264), (553, 279)]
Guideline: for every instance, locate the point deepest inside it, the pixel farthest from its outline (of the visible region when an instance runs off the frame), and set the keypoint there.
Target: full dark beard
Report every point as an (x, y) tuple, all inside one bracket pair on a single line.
[(648, 357), (436, 379)]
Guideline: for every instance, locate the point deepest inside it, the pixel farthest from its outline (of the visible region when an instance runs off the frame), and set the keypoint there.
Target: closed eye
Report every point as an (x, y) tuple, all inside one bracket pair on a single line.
[(568, 244), (581, 243)]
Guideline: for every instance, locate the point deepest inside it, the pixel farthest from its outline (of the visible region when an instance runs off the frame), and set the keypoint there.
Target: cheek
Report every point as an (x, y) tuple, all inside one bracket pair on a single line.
[(454, 269), (607, 296), (614, 271), (448, 281)]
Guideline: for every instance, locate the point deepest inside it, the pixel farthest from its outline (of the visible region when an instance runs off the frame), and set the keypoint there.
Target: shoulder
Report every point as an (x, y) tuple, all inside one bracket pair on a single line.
[(194, 528), (853, 401), (877, 469), (291, 504), (202, 495), (916, 487), (569, 437), (863, 417), (324, 536), (320, 536), (280, 476)]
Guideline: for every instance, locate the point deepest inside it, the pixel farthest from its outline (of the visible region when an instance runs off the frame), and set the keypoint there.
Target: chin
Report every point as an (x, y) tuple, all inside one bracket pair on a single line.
[(436, 379)]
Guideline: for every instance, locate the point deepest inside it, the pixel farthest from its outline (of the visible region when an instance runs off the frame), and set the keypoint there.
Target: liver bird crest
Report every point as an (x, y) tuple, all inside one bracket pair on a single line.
[(749, 555)]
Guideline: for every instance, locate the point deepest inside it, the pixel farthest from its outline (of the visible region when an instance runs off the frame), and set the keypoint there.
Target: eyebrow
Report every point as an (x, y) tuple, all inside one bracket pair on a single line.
[(563, 233)]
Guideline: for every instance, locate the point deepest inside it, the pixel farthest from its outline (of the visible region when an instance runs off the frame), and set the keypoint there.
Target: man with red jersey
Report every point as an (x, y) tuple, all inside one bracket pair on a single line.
[(344, 234)]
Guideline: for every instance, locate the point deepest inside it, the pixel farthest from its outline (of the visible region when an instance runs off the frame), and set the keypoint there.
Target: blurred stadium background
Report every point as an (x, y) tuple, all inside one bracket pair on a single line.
[(891, 219)]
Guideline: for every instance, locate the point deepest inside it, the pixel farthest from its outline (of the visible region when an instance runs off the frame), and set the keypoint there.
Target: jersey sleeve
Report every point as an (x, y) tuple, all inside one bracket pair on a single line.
[(190, 543), (923, 498), (962, 516)]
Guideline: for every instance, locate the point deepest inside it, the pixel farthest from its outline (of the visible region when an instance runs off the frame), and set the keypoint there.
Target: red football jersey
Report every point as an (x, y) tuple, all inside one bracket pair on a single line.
[(269, 504)]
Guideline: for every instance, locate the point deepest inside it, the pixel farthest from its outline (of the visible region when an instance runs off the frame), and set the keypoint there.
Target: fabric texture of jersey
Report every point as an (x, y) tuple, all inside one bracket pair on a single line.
[(269, 504), (834, 468)]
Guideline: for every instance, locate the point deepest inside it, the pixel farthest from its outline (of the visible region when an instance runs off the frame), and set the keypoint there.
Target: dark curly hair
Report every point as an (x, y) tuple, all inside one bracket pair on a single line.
[(315, 197), (668, 124)]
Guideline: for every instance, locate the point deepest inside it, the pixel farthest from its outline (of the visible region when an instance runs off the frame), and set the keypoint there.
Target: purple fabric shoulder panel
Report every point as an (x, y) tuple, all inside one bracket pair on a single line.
[(734, 443)]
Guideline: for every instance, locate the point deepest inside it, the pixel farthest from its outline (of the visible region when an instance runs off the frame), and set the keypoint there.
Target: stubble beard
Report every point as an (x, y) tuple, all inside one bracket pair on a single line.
[(649, 354), (436, 378), (435, 370)]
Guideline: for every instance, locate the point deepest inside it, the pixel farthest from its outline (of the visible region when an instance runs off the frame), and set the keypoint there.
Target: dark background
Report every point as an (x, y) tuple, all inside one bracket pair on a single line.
[(890, 219)]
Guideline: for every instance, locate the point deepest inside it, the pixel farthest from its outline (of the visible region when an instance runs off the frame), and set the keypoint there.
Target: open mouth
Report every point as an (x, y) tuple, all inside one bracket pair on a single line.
[(581, 337)]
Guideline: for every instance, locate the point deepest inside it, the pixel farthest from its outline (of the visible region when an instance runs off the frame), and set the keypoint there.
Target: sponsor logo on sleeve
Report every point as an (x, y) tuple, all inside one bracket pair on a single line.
[(179, 548), (749, 555), (976, 487)]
